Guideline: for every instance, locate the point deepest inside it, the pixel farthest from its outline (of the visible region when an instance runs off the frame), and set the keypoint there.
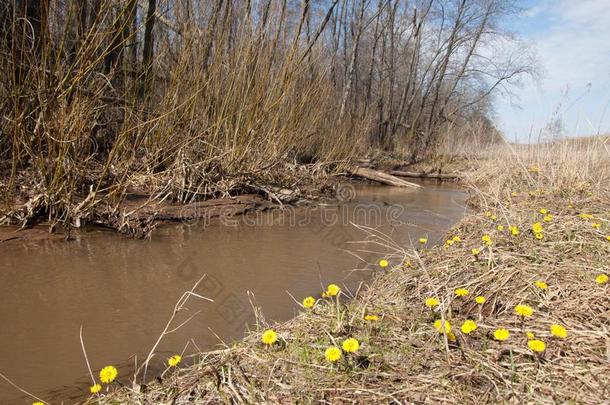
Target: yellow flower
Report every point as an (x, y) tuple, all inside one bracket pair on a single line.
[(501, 334), (559, 331), (480, 299), (608, 238), (431, 302), (514, 230), (383, 263), (487, 240), (333, 353), (570, 205), (514, 194), (269, 337), (475, 251), (548, 218), (539, 236), (461, 292), (524, 310), (449, 242), (309, 302), (585, 216), (596, 225), (37, 403), (457, 239), (95, 388), (407, 264), (534, 169), (332, 290), (423, 241), (469, 326), (371, 318), (537, 227), (442, 326), (350, 345), (541, 284), (108, 374), (530, 335), (601, 279), (174, 360), (451, 337), (500, 227), (536, 345), (488, 214), (543, 211), (493, 217)]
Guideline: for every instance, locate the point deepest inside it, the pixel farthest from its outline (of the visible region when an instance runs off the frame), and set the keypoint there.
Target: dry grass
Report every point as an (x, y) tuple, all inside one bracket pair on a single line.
[(402, 358)]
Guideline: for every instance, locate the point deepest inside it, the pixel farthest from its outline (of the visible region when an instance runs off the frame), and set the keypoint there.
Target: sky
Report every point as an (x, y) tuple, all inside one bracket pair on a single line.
[(571, 39)]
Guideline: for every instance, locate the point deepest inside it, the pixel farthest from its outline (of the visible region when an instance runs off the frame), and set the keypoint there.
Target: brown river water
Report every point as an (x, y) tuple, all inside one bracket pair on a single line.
[(123, 291)]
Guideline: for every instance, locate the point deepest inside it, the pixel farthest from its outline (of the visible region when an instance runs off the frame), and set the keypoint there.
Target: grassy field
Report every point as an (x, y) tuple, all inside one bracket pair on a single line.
[(536, 249)]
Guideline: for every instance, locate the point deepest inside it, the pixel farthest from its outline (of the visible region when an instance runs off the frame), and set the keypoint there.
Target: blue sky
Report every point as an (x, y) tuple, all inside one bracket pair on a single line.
[(572, 42)]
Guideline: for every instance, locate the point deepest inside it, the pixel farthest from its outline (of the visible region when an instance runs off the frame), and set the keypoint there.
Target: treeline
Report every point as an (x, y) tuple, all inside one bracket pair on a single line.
[(187, 99)]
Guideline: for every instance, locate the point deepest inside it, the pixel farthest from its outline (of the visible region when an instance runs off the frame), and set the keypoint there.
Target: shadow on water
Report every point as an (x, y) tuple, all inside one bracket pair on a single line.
[(123, 291)]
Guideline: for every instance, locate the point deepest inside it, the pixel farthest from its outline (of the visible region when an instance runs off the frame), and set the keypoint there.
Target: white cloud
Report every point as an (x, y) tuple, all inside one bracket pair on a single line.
[(572, 40)]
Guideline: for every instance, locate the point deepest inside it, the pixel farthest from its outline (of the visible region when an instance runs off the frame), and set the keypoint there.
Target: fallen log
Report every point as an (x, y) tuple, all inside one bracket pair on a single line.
[(381, 177), (444, 176)]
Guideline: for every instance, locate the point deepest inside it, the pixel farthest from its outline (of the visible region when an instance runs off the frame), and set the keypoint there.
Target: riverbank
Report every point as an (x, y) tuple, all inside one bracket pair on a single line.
[(540, 238)]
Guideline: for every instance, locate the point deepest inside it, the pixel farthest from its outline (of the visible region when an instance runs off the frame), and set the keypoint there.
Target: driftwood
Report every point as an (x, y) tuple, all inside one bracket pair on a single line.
[(444, 176), (381, 177)]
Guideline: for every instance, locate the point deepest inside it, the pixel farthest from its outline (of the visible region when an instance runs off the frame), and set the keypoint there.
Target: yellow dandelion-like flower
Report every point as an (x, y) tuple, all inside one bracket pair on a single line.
[(488, 214), (451, 337), (95, 388), (548, 218), (423, 241), (570, 205), (539, 236), (514, 230), (333, 354), (543, 211), (583, 215), (174, 360), (442, 326), (541, 284), (536, 345), (350, 345), (601, 279), (461, 292), (501, 334), (596, 225), (469, 326), (534, 169), (332, 290), (559, 331), (309, 302), (457, 239), (530, 335), (408, 264), (475, 251), (449, 242), (269, 337), (524, 310), (608, 238), (500, 227), (514, 194), (371, 318), (37, 403), (487, 240), (537, 227), (493, 217), (480, 299), (383, 263), (108, 374), (431, 302)]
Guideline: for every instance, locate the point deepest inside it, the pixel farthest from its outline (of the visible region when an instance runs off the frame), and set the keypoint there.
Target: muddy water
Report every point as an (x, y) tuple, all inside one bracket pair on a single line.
[(123, 291)]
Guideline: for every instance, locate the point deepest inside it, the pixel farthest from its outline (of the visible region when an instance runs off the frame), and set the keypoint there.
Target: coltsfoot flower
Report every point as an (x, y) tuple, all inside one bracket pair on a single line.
[(537, 227), (108, 374), (559, 331), (383, 263), (601, 279), (500, 227), (174, 360), (269, 337), (461, 292), (332, 290), (309, 302), (431, 302), (501, 334), (371, 318), (524, 310), (469, 326), (487, 240), (442, 326), (95, 388), (514, 230), (475, 251), (541, 284), (351, 345), (480, 299), (332, 354), (423, 241), (536, 345)]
